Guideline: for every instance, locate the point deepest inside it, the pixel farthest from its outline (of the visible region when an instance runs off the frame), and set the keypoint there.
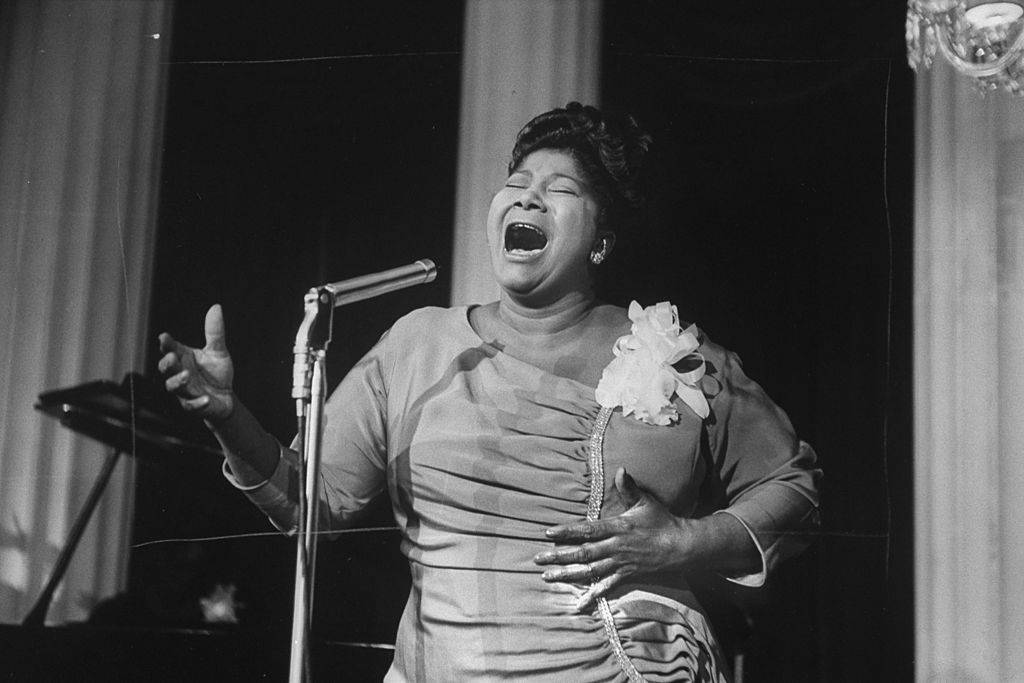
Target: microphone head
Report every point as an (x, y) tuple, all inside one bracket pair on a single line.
[(429, 269)]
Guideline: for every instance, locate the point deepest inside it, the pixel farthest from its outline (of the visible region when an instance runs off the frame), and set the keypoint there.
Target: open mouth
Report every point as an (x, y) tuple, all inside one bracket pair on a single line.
[(523, 238)]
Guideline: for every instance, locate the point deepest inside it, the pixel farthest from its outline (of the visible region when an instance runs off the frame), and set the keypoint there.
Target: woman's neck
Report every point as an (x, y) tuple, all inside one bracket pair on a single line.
[(571, 337), (533, 321)]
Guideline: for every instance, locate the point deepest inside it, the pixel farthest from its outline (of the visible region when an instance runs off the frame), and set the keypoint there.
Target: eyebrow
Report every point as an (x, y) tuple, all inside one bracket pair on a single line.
[(578, 181)]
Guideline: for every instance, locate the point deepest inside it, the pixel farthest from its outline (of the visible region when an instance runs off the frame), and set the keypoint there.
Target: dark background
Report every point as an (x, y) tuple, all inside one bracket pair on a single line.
[(785, 139)]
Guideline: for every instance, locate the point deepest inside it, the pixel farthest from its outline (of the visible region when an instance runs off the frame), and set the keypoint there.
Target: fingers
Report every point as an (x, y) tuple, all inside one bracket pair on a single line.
[(214, 329), (598, 589), (601, 575), (589, 531), (192, 404), (588, 573), (176, 383), (169, 344), (195, 376), (629, 491), (170, 364), (578, 554)]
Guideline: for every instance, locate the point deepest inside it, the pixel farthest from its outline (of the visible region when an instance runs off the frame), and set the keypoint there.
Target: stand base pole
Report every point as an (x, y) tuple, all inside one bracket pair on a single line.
[(306, 541), (37, 616)]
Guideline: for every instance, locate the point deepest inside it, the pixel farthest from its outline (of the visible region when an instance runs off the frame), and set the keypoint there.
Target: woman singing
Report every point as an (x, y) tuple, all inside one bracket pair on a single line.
[(546, 455)]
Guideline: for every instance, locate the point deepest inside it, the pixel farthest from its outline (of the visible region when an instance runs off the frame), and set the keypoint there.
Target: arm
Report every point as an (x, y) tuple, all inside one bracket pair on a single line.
[(762, 475), (763, 483), (645, 539), (352, 468)]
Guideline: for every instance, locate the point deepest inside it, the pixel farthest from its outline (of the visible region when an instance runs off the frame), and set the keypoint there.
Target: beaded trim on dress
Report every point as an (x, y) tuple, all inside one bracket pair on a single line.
[(594, 502)]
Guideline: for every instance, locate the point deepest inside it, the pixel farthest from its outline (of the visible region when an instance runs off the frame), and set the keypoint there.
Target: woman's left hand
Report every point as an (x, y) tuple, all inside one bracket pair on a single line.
[(645, 538)]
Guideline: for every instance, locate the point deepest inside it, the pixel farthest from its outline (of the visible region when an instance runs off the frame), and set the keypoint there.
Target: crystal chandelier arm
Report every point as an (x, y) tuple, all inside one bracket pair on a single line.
[(942, 38)]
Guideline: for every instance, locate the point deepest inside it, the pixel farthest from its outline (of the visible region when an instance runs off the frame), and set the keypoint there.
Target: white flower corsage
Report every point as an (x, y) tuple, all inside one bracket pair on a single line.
[(641, 378)]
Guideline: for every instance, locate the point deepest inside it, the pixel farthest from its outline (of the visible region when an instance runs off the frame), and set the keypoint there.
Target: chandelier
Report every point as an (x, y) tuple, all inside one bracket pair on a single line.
[(984, 40)]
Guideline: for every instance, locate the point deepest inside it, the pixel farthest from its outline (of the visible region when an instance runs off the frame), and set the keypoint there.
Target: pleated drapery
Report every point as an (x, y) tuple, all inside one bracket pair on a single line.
[(519, 58), (81, 105), (968, 381)]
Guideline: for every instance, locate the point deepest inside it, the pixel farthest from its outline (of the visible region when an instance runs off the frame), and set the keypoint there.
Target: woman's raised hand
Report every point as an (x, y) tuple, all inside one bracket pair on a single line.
[(200, 378), (646, 538)]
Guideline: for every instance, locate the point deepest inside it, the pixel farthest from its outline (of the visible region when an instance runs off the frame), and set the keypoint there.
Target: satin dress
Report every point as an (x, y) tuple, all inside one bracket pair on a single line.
[(481, 452)]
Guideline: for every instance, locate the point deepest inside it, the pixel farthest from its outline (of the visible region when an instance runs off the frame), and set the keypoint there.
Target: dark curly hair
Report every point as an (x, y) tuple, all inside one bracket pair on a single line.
[(609, 150)]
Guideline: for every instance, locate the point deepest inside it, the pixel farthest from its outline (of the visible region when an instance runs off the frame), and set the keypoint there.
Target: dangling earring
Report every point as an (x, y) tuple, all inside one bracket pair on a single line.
[(597, 257)]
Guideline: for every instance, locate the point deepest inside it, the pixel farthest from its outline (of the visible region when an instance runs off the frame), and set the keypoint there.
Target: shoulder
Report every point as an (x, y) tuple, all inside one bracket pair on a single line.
[(430, 315), (726, 382), (427, 327), (715, 353), (607, 323), (612, 316), (723, 369)]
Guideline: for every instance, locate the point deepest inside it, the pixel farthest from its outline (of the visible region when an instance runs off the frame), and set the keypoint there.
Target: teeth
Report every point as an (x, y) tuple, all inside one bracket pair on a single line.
[(523, 238)]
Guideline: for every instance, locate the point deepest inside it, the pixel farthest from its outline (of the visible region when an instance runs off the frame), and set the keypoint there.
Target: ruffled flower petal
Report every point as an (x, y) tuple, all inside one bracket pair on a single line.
[(695, 369), (636, 311), (641, 379), (694, 397)]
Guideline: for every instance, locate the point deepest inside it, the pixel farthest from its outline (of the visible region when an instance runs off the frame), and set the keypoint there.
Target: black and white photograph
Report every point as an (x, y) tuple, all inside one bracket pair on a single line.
[(511, 340)]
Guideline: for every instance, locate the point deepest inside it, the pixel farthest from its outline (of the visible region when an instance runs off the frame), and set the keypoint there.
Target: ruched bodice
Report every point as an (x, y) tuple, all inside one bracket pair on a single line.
[(492, 452)]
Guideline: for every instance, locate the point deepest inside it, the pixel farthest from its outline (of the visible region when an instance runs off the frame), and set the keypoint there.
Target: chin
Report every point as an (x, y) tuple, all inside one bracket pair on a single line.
[(518, 286), (511, 279)]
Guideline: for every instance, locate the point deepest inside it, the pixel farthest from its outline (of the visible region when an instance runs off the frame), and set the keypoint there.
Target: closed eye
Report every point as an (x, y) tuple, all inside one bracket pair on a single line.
[(518, 180)]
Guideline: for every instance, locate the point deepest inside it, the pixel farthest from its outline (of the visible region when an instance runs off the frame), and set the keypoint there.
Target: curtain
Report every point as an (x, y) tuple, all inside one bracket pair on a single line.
[(81, 106), (520, 58), (969, 381)]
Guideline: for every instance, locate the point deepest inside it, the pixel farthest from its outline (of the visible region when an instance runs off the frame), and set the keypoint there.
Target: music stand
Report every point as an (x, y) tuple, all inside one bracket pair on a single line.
[(135, 417)]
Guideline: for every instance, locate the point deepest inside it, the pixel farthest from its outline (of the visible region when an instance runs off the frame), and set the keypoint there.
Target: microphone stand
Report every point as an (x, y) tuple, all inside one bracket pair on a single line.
[(309, 389)]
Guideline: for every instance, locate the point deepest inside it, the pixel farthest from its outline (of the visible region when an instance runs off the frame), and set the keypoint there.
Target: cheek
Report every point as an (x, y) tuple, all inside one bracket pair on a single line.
[(584, 230), (494, 216)]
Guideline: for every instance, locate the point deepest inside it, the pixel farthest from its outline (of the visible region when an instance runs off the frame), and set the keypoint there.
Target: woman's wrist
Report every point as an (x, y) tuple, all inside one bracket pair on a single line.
[(719, 542), (252, 452), (215, 420)]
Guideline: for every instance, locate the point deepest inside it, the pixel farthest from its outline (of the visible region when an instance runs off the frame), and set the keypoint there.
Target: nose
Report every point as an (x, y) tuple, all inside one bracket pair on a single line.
[(529, 198)]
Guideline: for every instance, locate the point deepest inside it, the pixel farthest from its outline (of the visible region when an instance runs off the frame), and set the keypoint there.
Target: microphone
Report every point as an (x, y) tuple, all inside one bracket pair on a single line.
[(368, 286), (314, 332)]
